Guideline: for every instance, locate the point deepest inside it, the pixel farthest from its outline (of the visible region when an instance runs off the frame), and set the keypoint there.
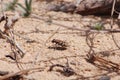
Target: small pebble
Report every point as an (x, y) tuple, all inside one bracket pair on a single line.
[(104, 78)]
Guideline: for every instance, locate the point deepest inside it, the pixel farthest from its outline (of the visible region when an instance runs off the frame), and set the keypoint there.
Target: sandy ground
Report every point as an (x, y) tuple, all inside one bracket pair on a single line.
[(39, 55)]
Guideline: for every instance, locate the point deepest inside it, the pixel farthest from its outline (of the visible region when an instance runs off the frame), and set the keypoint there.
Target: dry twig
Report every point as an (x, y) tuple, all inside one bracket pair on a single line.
[(105, 63), (19, 73), (67, 70)]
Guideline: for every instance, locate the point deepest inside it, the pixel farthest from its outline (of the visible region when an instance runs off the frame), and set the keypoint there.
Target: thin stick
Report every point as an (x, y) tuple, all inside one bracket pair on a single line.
[(74, 28), (14, 48), (52, 35), (113, 7), (12, 42), (22, 72), (112, 12)]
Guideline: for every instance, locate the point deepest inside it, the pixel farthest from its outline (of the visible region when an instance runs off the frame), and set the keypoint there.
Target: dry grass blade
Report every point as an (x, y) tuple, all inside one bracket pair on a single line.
[(52, 35), (12, 42), (19, 73), (105, 63)]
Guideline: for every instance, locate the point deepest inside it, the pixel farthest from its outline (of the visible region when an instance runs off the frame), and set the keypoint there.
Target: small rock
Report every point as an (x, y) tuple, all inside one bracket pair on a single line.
[(104, 78)]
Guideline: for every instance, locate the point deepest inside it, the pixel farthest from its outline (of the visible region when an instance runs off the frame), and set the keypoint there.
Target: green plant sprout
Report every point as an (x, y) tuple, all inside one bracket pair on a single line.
[(11, 5), (98, 26), (27, 8)]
